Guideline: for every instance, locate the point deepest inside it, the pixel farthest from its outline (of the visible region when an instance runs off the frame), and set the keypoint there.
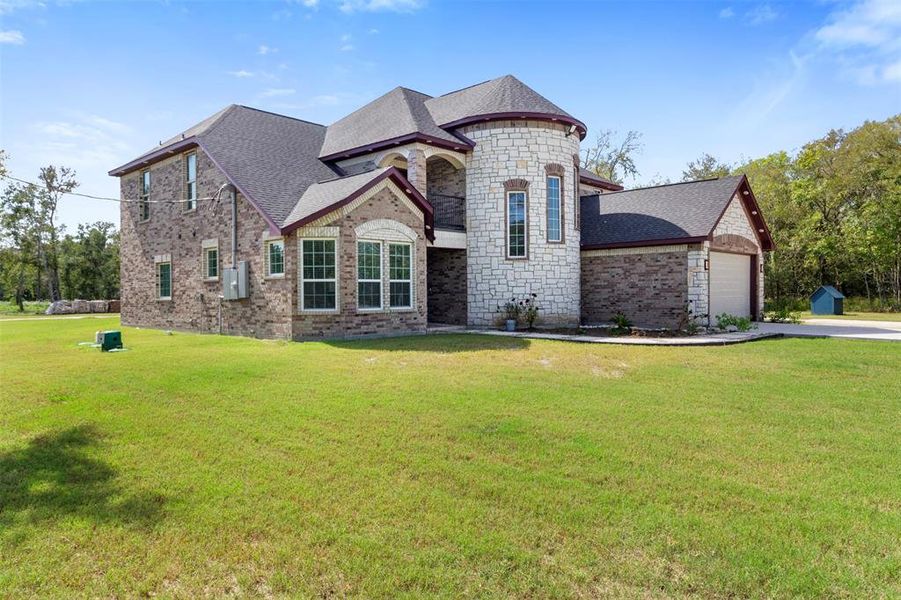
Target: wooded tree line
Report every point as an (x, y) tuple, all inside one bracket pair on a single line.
[(833, 207), (38, 259)]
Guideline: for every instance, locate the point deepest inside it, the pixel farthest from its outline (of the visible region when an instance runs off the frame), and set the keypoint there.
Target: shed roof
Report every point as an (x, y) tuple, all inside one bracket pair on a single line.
[(828, 289)]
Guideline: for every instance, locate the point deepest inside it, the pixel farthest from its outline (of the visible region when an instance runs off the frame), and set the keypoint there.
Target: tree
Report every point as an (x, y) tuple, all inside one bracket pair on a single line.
[(19, 228), (55, 182), (613, 160), (705, 167), (89, 262)]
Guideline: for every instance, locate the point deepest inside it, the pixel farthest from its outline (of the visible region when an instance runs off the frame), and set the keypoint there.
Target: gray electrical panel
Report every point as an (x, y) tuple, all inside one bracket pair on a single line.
[(234, 282)]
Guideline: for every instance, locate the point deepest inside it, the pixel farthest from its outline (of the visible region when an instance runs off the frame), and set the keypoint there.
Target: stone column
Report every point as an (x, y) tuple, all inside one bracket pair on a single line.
[(416, 169)]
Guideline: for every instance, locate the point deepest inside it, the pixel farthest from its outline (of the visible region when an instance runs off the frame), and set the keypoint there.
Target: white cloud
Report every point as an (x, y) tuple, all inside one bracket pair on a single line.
[(12, 37), (241, 74), (310, 3), (760, 14), (865, 40), (264, 50), (727, 13), (400, 6), (86, 141), (274, 92), (373, 31), (346, 37), (10, 6)]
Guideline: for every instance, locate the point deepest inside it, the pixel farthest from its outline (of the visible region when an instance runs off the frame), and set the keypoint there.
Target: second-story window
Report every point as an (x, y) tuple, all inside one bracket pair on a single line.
[(191, 181), (144, 204), (554, 210), (516, 224)]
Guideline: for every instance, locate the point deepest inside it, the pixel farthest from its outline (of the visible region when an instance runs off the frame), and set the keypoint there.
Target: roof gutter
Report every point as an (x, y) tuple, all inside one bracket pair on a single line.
[(154, 156), (643, 243), (607, 185), (534, 116), (461, 146)]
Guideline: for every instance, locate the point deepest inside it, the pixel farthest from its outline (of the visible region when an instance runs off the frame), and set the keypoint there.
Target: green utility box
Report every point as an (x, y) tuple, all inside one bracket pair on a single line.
[(110, 340)]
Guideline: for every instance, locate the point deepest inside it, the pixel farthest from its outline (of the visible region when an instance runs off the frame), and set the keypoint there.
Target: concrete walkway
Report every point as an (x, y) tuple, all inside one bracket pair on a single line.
[(837, 328), (719, 339)]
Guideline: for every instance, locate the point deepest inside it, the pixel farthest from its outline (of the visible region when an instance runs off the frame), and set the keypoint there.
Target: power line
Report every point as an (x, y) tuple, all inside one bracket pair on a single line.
[(120, 200)]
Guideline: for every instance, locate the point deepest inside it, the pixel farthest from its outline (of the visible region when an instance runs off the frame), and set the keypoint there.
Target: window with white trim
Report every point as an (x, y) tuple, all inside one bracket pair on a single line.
[(191, 181), (318, 275), (400, 275), (554, 210), (164, 280), (274, 251), (144, 203), (369, 275), (516, 224), (210, 267)]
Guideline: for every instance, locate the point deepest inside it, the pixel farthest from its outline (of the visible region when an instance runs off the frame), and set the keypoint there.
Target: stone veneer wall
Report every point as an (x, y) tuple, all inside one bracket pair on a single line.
[(699, 282), (179, 234), (447, 286), (647, 285), (348, 321), (735, 222), (519, 149)]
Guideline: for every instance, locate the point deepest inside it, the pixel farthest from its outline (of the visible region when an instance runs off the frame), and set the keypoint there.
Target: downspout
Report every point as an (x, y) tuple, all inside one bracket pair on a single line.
[(234, 196)]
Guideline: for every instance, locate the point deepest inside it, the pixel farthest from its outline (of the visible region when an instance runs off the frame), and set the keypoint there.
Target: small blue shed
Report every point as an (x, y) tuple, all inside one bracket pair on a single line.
[(827, 301)]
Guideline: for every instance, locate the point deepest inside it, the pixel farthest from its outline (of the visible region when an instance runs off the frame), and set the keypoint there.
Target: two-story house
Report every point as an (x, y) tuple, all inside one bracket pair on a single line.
[(417, 209)]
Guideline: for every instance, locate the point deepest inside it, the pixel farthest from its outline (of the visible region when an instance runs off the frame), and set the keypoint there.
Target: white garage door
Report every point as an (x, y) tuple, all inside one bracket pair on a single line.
[(730, 284)]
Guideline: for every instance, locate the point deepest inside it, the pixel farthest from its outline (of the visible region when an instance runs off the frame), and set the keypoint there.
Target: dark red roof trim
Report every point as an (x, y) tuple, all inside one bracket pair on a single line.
[(395, 175), (154, 156), (600, 183), (503, 116), (460, 146), (643, 243), (753, 212)]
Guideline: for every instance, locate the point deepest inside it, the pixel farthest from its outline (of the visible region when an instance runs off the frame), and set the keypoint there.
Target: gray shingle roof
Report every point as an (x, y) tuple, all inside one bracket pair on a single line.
[(502, 95), (667, 212), (398, 113), (323, 194), (586, 174)]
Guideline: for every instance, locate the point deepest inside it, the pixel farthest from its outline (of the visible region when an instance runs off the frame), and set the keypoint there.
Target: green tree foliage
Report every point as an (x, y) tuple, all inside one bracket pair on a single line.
[(705, 167), (834, 210), (89, 262), (612, 159)]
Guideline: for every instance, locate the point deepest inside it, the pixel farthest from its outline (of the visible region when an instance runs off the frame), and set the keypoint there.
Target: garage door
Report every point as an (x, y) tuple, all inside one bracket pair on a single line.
[(730, 284)]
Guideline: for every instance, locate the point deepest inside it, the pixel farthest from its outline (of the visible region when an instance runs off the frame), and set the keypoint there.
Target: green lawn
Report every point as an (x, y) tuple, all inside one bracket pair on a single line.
[(11, 309), (857, 316), (455, 466)]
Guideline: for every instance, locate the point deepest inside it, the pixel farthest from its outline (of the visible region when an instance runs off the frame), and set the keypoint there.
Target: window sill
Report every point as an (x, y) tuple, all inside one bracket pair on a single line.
[(166, 299), (368, 311), (319, 311), (274, 276), (190, 210), (210, 279)]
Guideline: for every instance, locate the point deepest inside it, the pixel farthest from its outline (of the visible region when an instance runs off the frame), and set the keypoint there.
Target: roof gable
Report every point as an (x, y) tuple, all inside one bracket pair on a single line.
[(827, 290), (681, 212)]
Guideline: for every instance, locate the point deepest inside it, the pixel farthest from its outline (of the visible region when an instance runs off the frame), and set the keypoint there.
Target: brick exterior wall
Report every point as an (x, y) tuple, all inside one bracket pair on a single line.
[(508, 150), (447, 286), (348, 321), (648, 285), (173, 231)]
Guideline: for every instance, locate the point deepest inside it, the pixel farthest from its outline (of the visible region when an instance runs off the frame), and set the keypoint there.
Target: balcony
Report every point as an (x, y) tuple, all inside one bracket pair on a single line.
[(450, 211)]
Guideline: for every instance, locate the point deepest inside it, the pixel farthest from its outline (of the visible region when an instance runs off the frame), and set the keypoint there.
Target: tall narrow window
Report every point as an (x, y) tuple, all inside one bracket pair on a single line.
[(369, 275), (318, 275), (211, 263), (191, 181), (275, 258), (144, 204), (554, 210), (164, 281), (400, 275), (516, 224)]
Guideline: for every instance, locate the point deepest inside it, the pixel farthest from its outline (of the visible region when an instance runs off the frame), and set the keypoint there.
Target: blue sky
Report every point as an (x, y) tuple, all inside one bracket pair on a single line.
[(93, 84)]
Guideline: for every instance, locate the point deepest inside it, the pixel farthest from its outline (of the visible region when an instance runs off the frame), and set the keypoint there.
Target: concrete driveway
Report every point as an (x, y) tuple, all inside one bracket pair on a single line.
[(836, 328)]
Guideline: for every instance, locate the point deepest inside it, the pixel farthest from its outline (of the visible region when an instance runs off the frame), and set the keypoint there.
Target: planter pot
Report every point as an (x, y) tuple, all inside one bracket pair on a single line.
[(511, 324)]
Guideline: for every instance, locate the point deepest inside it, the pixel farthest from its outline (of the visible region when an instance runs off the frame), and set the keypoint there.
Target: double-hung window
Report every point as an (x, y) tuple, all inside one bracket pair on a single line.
[(191, 181), (275, 258), (144, 203), (164, 280), (210, 266), (400, 275), (369, 275), (516, 224), (318, 275), (554, 210)]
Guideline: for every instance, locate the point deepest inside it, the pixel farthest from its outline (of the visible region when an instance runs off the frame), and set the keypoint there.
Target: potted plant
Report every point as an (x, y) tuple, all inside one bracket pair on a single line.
[(512, 309)]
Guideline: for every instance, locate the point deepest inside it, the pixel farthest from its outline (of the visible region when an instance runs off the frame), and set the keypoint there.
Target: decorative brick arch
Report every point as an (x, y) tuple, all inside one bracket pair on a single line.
[(555, 169), (734, 243), (516, 185), (385, 229)]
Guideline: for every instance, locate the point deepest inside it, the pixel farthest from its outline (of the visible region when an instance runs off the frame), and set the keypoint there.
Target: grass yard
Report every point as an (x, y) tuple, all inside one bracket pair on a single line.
[(856, 316), (11, 309), (454, 466)]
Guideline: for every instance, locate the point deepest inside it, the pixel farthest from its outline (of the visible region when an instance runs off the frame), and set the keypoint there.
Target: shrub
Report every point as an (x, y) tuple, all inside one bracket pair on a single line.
[(726, 320), (512, 309), (530, 310), (783, 315), (621, 323), (688, 320)]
